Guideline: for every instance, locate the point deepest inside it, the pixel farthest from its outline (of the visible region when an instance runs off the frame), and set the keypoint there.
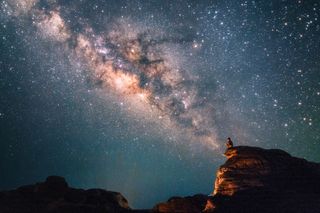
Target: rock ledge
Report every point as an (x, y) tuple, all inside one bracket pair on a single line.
[(260, 180)]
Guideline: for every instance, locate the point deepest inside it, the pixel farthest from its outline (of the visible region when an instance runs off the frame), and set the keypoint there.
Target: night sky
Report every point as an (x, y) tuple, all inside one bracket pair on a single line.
[(140, 96)]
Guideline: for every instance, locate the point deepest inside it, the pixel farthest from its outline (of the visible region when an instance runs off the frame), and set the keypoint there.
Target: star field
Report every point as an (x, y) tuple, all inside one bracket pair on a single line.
[(139, 97)]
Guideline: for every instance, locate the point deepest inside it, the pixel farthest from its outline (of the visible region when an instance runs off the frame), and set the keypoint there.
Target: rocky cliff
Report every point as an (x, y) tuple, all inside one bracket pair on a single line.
[(260, 180)]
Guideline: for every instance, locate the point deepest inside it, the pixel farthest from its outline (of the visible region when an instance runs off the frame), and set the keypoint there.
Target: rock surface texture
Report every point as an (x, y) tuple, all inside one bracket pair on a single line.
[(260, 180), (55, 196)]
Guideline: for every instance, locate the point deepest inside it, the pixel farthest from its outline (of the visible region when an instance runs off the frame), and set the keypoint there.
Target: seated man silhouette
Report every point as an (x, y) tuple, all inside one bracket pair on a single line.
[(229, 143)]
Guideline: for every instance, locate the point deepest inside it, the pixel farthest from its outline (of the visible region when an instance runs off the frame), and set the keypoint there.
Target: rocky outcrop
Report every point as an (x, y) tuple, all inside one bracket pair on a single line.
[(55, 196), (190, 204), (260, 180)]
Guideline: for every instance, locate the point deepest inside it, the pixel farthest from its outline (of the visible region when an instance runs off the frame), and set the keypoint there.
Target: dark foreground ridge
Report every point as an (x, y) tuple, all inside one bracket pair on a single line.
[(55, 196), (252, 180)]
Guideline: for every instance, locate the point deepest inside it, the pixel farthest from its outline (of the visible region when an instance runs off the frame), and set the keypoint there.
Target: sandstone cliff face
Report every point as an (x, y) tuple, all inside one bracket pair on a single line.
[(55, 196), (260, 180), (252, 167)]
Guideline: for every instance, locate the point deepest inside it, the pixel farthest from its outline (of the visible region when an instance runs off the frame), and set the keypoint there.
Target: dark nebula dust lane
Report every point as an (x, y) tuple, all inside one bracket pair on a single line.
[(139, 96)]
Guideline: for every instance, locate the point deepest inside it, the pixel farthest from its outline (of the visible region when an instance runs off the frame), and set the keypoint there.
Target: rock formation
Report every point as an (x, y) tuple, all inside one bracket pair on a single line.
[(252, 180), (55, 196), (260, 180), (190, 204)]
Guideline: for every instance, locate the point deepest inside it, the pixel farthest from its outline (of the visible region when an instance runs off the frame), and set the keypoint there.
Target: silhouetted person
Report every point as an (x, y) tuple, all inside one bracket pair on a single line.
[(229, 143)]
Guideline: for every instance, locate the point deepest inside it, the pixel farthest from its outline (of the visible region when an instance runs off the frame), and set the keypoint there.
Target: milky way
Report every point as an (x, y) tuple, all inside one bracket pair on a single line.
[(139, 96), (136, 63)]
